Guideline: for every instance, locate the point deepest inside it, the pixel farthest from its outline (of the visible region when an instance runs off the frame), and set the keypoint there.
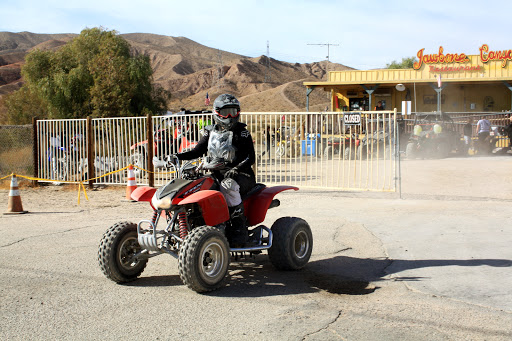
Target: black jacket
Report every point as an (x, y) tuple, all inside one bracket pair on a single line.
[(242, 141)]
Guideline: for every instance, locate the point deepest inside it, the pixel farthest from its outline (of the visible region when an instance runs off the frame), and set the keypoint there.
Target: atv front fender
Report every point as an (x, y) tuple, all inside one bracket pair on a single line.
[(144, 193), (212, 204), (256, 206)]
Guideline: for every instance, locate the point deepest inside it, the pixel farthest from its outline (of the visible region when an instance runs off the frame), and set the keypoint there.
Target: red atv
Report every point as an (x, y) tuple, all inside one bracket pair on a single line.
[(194, 215), (341, 147)]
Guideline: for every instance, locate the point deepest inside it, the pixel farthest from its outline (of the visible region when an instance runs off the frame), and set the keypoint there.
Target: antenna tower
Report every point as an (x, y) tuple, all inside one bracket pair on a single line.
[(268, 77), (328, 46)]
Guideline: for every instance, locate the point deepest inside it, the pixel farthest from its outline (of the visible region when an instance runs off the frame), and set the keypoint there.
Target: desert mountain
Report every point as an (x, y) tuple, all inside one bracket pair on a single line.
[(190, 70)]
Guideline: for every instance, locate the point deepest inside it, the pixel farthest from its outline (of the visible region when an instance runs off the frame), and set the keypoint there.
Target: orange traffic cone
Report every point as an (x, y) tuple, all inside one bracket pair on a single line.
[(131, 184), (14, 205)]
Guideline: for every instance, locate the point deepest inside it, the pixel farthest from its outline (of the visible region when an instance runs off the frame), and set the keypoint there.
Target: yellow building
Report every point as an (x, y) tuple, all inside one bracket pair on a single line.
[(464, 83)]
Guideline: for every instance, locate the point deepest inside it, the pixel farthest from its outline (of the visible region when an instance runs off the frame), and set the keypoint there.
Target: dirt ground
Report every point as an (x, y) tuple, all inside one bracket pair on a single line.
[(433, 265)]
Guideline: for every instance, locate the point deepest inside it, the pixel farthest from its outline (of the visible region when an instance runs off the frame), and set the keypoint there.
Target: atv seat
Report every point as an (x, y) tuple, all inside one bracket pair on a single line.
[(256, 189)]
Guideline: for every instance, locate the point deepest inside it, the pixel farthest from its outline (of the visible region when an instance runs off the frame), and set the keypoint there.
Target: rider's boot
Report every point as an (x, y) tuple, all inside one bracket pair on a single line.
[(237, 234)]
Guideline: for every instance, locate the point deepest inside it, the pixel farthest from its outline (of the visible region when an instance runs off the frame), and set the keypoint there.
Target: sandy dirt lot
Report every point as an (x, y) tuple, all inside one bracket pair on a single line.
[(433, 265)]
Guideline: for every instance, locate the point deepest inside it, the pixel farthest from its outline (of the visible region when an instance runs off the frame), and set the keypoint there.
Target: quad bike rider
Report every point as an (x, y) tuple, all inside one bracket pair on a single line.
[(198, 218), (230, 143)]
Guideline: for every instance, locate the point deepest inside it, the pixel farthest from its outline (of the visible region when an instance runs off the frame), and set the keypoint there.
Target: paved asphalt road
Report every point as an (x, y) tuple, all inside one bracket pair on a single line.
[(429, 266)]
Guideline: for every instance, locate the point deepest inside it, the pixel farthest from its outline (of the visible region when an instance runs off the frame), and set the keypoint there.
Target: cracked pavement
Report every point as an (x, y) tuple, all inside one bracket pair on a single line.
[(435, 265)]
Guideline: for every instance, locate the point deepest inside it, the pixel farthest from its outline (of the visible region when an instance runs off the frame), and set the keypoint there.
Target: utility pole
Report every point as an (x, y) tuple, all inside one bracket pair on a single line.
[(268, 77), (220, 80)]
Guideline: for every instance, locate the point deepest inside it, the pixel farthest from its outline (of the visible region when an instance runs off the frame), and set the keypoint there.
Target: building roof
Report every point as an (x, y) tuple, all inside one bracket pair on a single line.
[(472, 71)]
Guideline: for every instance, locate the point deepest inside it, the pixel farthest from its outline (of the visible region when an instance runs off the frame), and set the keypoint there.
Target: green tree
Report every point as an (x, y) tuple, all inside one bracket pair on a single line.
[(93, 75), (19, 107), (407, 63)]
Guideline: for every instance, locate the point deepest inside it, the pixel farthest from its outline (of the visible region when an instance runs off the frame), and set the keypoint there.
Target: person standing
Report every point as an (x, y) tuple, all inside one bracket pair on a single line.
[(468, 133), (379, 106), (483, 128), (268, 141), (508, 132)]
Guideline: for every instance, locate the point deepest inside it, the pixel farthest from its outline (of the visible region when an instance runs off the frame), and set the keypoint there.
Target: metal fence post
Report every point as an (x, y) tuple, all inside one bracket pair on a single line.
[(90, 152), (399, 154), (149, 163), (35, 150)]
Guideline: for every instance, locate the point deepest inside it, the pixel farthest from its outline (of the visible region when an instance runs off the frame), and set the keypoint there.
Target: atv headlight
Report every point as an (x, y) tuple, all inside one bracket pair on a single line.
[(162, 204)]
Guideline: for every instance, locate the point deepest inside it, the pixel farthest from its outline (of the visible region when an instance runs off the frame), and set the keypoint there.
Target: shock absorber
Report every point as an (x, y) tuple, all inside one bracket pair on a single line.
[(182, 219), (155, 215)]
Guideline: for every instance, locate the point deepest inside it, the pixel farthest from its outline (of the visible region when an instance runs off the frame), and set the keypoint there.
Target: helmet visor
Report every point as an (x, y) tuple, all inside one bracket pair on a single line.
[(228, 112)]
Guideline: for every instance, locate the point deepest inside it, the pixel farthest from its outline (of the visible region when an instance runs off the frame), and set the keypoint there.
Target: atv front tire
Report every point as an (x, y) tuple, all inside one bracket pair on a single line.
[(204, 259), (292, 243), (115, 255)]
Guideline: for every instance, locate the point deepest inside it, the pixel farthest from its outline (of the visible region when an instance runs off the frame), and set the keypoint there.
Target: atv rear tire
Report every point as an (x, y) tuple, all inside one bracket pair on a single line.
[(328, 153), (410, 151), (292, 243), (204, 259), (115, 254)]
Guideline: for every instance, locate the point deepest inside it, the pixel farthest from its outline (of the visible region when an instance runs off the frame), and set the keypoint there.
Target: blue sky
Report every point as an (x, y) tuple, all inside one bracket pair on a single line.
[(369, 33)]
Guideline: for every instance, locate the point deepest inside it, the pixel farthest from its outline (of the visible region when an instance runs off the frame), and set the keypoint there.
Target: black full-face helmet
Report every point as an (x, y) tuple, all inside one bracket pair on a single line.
[(226, 111)]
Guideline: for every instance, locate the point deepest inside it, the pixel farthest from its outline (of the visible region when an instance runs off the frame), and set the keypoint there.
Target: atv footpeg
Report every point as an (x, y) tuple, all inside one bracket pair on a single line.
[(274, 203), (257, 241)]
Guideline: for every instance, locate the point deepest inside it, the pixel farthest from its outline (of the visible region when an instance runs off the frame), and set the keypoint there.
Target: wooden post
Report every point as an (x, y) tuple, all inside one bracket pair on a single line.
[(35, 150), (90, 153), (150, 150)]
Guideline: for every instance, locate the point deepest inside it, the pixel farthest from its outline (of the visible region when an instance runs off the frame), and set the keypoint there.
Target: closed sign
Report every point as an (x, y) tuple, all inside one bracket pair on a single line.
[(352, 119)]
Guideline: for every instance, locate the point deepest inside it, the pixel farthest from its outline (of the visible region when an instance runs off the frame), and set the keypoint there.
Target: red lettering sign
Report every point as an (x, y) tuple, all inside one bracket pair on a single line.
[(440, 58), (486, 55), (436, 69)]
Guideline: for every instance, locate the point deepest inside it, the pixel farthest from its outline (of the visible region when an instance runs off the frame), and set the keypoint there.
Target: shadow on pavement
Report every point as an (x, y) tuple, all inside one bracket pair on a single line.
[(341, 275)]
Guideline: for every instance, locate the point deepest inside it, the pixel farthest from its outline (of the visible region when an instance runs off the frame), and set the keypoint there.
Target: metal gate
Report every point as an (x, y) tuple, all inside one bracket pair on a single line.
[(349, 151)]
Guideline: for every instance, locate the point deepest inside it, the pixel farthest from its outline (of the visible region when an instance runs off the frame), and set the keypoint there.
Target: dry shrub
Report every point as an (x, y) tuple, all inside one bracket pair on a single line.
[(18, 161)]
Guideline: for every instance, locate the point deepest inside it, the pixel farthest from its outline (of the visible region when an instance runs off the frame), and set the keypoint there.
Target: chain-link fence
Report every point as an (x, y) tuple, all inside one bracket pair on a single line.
[(16, 155)]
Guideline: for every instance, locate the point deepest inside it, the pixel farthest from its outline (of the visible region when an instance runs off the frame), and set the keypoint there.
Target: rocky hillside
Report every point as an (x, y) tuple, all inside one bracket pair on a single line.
[(190, 70)]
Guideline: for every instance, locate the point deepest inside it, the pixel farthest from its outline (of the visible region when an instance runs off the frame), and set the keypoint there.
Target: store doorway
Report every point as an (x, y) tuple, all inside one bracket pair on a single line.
[(356, 104)]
